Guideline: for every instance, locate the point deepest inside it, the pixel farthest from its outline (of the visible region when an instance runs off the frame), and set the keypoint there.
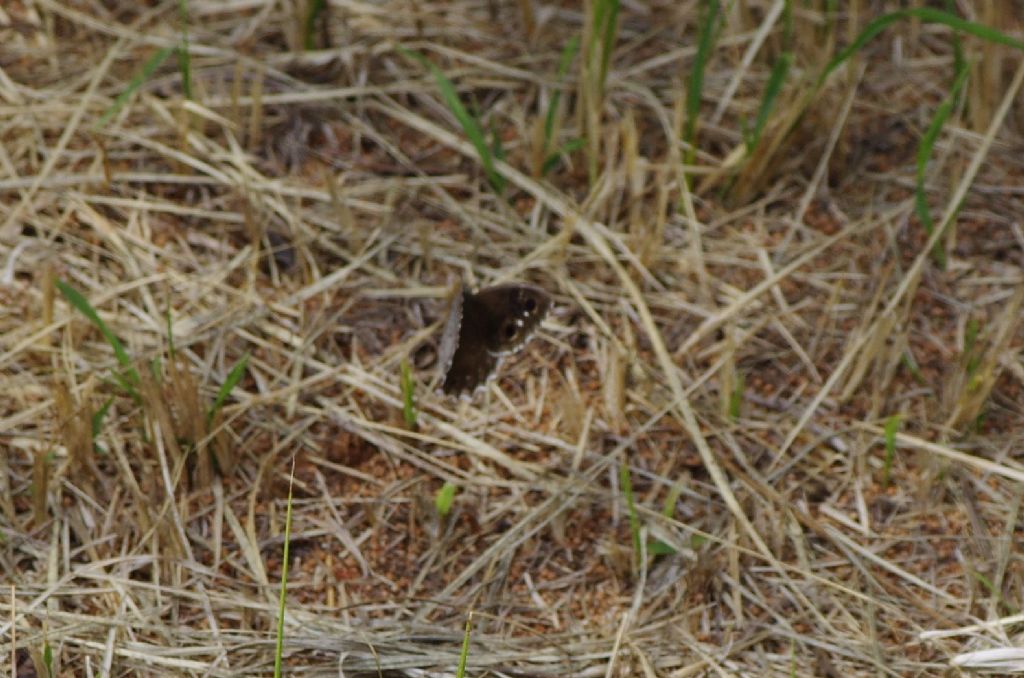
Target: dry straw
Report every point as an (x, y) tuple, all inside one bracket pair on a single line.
[(217, 266)]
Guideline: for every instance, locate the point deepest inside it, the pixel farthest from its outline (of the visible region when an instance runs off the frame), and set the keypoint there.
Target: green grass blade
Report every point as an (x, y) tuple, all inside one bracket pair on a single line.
[(668, 509), (568, 54), (626, 480), (892, 425), (771, 92), (972, 358), (736, 398), (470, 125), (444, 499), (924, 155), (497, 149), (908, 361), (971, 335), (316, 8), (170, 334), (660, 548), (570, 146), (464, 654), (959, 61), (775, 80), (97, 424), (234, 376), (408, 388), (279, 647), (142, 76), (48, 658), (184, 58), (85, 308), (695, 86), (607, 19)]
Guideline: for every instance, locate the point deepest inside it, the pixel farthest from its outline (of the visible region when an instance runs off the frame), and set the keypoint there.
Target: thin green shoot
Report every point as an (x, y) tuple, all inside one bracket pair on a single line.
[(971, 336), (460, 672), (131, 380), (606, 24), (775, 81), (978, 425), (156, 367), (316, 8), (279, 647), (568, 54), (234, 376), (668, 509), (626, 481), (910, 363), (600, 28), (184, 58), (408, 388), (972, 357), (831, 14), (659, 548), (695, 86), (96, 423), (987, 584), (170, 334), (778, 76), (497, 149), (154, 62), (570, 146), (736, 397), (924, 156), (48, 658), (470, 125), (959, 61), (892, 426), (444, 499)]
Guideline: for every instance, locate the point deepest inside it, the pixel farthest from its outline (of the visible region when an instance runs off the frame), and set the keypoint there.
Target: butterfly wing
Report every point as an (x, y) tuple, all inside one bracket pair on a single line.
[(493, 323), (469, 368), (452, 329), (509, 314)]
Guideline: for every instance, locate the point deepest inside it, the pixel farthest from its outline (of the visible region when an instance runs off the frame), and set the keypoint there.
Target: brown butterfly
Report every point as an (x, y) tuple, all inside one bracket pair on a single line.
[(484, 327)]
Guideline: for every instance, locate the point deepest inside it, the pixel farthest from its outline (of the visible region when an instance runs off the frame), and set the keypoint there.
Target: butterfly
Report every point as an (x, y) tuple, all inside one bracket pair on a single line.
[(484, 327)]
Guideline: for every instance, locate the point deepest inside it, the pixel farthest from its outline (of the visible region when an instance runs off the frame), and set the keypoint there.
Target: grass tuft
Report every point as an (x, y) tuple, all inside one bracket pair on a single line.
[(224, 392), (130, 379)]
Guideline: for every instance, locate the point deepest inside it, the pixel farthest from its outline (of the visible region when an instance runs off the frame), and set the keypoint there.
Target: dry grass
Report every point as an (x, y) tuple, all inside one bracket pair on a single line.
[(738, 330)]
